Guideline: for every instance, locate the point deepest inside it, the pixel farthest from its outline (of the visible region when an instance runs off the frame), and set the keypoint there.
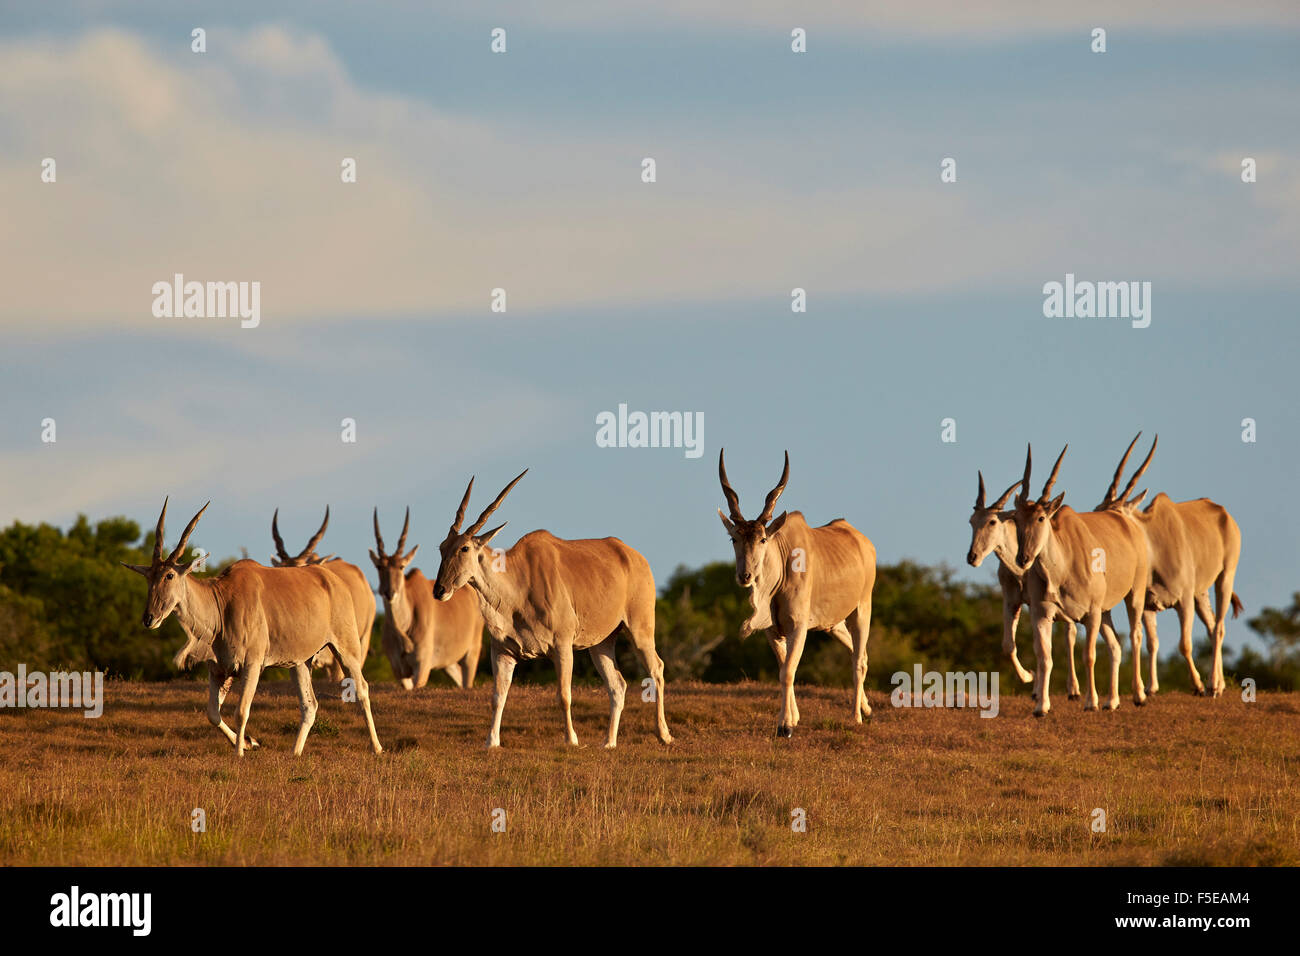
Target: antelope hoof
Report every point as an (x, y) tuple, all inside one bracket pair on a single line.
[(1139, 701), (1039, 713), (1075, 696), (784, 731)]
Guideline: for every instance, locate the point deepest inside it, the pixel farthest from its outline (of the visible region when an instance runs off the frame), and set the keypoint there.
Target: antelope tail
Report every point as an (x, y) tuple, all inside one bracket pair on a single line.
[(1237, 606)]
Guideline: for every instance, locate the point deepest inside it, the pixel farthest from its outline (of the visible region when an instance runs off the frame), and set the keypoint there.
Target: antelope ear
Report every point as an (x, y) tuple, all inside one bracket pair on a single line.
[(139, 569), (409, 555), (727, 523), (1137, 500), (779, 520), (487, 536), (374, 557), (1055, 505)]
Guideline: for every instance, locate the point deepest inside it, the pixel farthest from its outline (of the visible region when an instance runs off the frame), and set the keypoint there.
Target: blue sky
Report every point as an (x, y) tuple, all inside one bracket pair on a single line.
[(521, 170)]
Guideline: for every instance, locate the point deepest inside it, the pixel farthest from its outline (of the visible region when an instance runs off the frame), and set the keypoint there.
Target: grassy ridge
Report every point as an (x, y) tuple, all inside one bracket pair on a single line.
[(1183, 781)]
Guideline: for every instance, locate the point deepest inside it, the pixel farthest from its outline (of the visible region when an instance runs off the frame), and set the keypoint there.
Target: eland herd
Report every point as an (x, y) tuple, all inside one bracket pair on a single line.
[(549, 597)]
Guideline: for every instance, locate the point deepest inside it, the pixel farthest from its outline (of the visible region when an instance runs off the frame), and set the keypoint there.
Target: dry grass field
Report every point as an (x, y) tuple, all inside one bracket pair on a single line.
[(1183, 781)]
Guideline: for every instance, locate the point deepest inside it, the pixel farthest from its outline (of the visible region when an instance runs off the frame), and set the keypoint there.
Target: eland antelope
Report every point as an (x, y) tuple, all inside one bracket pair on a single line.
[(363, 599), (1080, 566), (250, 617), (993, 531), (549, 596), (1193, 545), (802, 578), (422, 634)]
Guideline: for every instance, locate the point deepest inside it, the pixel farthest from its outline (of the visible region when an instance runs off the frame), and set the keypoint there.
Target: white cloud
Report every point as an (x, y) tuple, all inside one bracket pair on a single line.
[(988, 19), (227, 168), (253, 436)]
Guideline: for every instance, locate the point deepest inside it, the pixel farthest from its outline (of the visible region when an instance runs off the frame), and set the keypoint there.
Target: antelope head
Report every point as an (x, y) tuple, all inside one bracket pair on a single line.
[(1034, 518), (750, 538), (308, 554), (392, 567), (465, 554), (1120, 501), (166, 575), (986, 525)]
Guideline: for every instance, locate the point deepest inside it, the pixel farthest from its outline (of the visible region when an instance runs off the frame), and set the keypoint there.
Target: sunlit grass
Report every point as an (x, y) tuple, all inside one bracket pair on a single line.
[(1184, 780)]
